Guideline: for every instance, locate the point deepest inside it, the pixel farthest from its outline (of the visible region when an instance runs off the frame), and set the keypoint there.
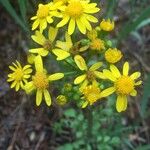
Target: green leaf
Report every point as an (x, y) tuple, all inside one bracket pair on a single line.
[(7, 5), (70, 113), (23, 8), (131, 26), (146, 95)]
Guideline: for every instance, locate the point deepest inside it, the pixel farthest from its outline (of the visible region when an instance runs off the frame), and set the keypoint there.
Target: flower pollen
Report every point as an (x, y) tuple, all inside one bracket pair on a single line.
[(43, 11), (74, 9), (124, 85), (40, 80)]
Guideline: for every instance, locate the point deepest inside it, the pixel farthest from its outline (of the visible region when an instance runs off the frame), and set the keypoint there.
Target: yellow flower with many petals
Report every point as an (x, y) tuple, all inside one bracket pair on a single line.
[(97, 44), (113, 55), (19, 76), (65, 49), (107, 25), (40, 82), (89, 75), (124, 84), (44, 15), (78, 12), (46, 44), (93, 93)]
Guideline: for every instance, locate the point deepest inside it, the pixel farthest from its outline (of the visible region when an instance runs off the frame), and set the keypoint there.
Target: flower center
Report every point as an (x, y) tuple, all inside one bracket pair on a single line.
[(47, 45), (18, 74), (40, 80), (124, 85), (42, 11), (74, 9), (91, 93), (90, 75)]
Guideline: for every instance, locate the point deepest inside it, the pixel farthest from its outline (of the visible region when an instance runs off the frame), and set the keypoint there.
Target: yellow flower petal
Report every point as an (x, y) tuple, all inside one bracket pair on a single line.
[(47, 98), (99, 75), (61, 54), (71, 26), (84, 104), (38, 97), (55, 76), (91, 18), (83, 85), (63, 22), (52, 33), (17, 87), (121, 103), (125, 68), (107, 92), (68, 40), (138, 83), (81, 26), (86, 22), (38, 38), (95, 66), (80, 79), (35, 24), (40, 51), (29, 87), (109, 75), (115, 71), (38, 63), (133, 93), (80, 62), (135, 75)]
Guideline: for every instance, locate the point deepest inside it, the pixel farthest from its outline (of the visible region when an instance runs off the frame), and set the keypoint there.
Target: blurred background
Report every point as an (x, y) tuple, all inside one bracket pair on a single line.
[(23, 126)]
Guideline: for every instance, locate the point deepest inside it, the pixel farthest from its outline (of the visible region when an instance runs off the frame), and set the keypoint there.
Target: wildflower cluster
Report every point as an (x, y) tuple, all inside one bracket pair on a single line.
[(86, 51)]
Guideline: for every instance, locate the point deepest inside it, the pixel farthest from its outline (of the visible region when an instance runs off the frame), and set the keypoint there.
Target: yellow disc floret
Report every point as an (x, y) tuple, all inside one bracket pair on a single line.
[(42, 11), (113, 55), (40, 80), (97, 44), (124, 85), (74, 9), (91, 94)]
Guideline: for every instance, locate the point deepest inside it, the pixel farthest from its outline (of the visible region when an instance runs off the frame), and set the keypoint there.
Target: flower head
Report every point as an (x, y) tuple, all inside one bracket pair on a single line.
[(97, 44), (61, 100), (90, 74), (65, 49), (40, 82), (124, 84), (44, 15), (46, 44), (19, 75), (93, 93), (92, 34), (107, 25), (77, 12), (113, 55)]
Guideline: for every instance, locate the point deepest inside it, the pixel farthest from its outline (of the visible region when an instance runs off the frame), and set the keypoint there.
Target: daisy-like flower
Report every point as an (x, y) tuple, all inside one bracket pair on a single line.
[(19, 75), (78, 12), (45, 43), (92, 94), (113, 55), (97, 44), (107, 25), (124, 85), (65, 49), (90, 74), (44, 15), (40, 82)]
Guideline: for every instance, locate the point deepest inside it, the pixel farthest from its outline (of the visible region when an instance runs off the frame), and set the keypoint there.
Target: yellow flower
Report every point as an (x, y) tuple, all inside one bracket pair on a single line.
[(124, 84), (46, 44), (40, 82), (107, 25), (93, 93), (89, 75), (19, 76), (113, 55), (65, 49), (92, 34), (63, 1), (97, 44), (61, 100), (78, 12), (44, 15)]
